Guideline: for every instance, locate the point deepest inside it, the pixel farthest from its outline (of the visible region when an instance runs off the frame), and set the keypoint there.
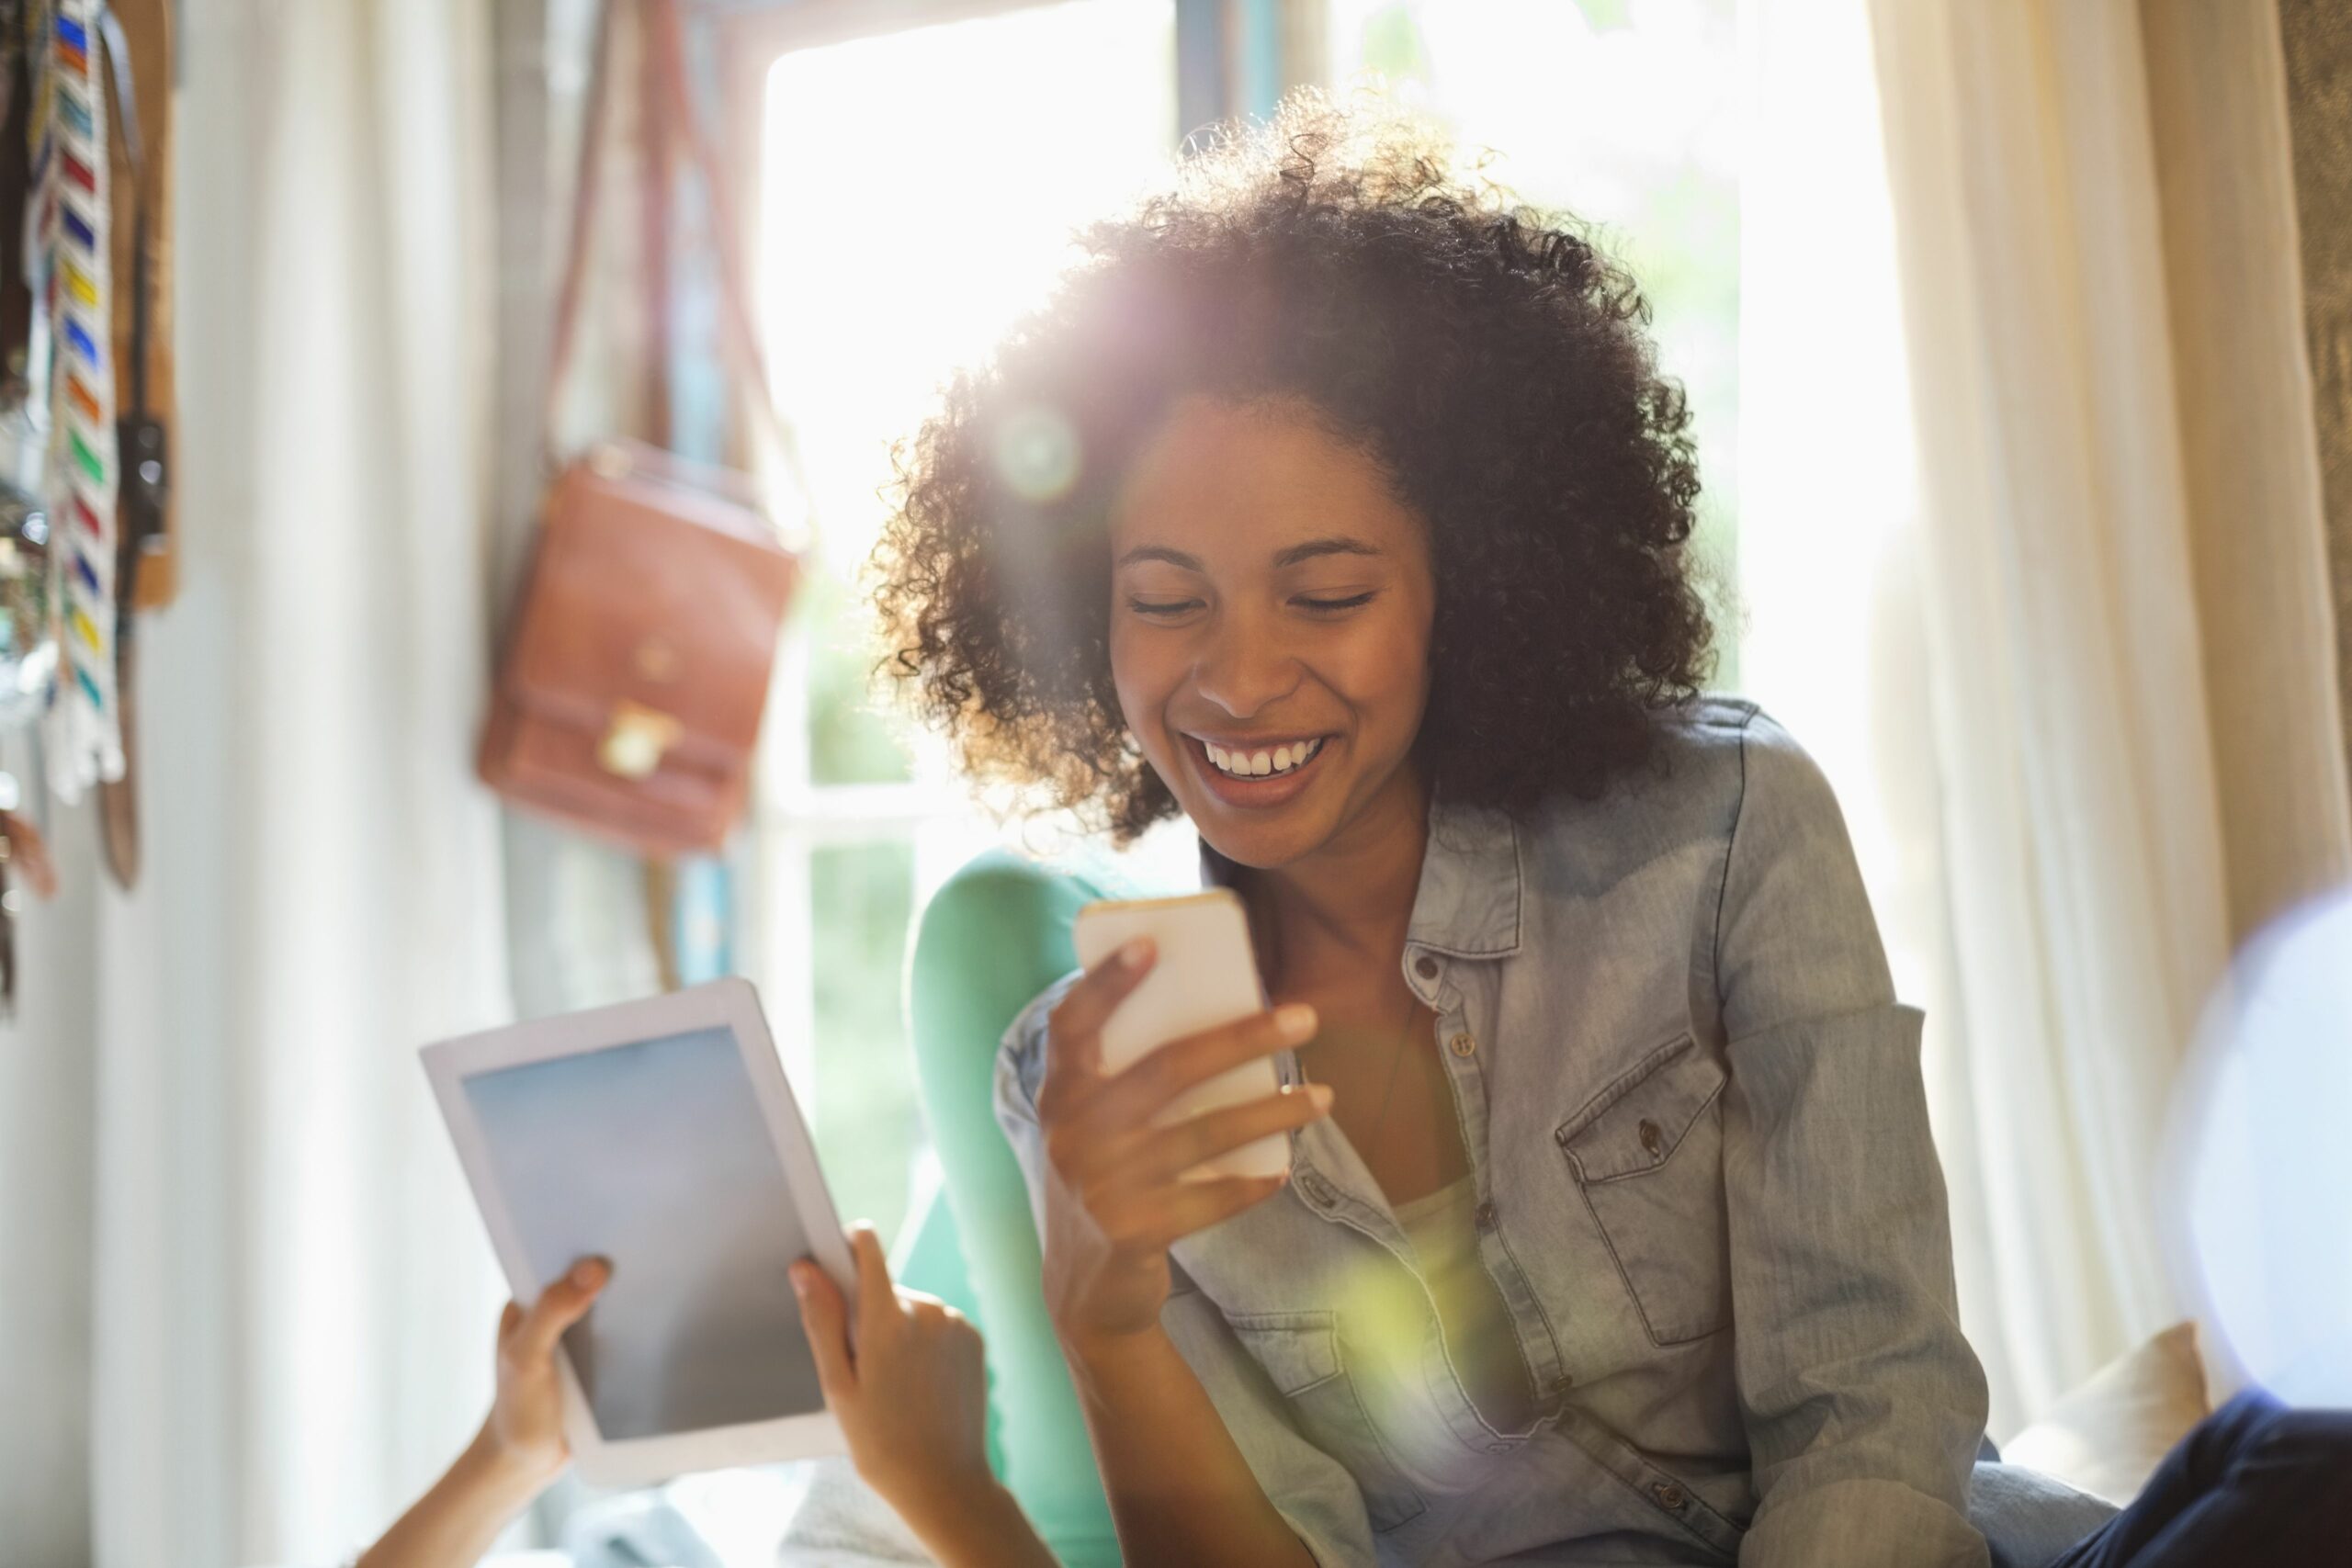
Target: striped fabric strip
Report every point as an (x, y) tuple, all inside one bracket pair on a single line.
[(73, 272), (86, 457)]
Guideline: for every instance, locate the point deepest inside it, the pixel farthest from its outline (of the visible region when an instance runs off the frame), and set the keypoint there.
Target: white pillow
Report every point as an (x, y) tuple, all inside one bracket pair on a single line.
[(2107, 1437)]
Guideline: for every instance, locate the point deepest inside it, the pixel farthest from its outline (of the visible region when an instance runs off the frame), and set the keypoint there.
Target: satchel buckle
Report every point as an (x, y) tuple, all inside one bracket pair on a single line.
[(635, 739)]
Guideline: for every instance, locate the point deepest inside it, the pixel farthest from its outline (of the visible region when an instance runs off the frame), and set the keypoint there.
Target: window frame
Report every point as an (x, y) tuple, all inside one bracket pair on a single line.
[(791, 818)]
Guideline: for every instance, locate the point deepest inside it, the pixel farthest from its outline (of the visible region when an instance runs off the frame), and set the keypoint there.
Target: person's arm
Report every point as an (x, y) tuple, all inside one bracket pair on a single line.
[(519, 1449), (911, 1398), (1863, 1403), (1176, 1478), (1110, 1197)]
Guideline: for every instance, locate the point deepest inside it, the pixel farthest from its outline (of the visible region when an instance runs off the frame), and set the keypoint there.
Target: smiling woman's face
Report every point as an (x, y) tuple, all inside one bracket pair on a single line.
[(1271, 601)]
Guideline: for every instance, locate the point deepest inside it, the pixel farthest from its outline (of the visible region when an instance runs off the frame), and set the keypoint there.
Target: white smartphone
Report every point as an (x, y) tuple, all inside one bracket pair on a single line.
[(1205, 976)]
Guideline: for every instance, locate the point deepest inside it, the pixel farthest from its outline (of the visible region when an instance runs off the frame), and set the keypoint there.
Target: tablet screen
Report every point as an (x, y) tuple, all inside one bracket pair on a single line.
[(655, 1156)]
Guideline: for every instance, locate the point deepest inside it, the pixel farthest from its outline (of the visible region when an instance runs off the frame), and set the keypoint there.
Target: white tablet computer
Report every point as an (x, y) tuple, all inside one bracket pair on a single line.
[(660, 1134)]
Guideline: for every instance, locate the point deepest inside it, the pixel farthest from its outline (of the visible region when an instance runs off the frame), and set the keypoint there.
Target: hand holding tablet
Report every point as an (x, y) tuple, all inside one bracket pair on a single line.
[(913, 1402), (526, 1423), (661, 1135)]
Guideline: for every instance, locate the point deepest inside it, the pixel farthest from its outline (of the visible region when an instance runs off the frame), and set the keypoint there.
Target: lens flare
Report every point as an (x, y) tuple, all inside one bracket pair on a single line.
[(2259, 1159), (1037, 454)]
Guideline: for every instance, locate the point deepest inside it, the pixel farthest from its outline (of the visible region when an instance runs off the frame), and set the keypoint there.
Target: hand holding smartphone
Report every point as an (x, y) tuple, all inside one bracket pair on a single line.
[(1206, 975)]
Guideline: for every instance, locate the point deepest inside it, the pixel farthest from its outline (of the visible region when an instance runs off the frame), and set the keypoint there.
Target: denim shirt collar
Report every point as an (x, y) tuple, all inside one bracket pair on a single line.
[(1468, 904)]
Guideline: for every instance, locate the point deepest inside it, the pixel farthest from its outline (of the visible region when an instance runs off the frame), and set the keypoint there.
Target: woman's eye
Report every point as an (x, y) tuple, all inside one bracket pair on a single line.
[(1323, 606), (1160, 606)]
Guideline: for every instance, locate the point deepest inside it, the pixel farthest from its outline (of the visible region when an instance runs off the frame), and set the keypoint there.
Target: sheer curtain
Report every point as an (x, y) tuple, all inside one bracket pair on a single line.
[(293, 1303), (2033, 557)]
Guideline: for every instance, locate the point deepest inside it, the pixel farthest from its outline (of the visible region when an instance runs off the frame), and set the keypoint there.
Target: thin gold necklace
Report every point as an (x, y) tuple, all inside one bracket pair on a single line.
[(1396, 1067), (1269, 958), (1395, 1070)]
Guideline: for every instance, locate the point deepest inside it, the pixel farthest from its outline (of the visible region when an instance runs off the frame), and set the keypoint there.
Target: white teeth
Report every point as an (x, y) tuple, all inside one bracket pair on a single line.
[(1255, 765)]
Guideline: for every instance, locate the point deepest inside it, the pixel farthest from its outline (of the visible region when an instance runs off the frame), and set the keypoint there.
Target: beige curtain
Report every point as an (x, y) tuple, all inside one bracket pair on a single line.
[(2031, 558), (294, 1302), (2123, 639)]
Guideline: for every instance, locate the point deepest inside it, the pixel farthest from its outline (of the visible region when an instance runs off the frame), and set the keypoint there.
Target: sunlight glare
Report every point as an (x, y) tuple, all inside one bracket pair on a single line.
[(920, 189)]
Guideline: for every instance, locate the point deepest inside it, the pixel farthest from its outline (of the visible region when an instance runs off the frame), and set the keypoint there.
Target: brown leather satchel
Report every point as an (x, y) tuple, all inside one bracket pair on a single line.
[(636, 665)]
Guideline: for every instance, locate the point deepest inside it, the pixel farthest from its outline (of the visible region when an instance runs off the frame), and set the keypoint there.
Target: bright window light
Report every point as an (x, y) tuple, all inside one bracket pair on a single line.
[(919, 191)]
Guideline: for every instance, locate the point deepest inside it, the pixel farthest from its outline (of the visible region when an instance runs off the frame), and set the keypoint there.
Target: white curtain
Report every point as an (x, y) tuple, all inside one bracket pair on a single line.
[(294, 1304), (2022, 570)]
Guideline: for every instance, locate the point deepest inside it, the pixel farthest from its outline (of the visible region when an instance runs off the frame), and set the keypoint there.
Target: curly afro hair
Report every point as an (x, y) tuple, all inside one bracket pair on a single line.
[(1490, 360)]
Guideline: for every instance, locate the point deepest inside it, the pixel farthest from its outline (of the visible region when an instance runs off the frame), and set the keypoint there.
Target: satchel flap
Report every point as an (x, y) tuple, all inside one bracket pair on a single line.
[(664, 596)]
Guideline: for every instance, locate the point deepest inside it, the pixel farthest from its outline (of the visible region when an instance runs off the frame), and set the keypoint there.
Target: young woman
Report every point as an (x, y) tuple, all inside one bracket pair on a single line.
[(1340, 508)]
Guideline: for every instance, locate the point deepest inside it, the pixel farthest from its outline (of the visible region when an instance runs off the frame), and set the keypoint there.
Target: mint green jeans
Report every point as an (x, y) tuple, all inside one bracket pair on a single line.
[(992, 938)]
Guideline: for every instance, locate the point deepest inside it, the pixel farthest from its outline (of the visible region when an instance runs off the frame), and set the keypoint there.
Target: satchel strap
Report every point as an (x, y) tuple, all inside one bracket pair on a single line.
[(669, 111)]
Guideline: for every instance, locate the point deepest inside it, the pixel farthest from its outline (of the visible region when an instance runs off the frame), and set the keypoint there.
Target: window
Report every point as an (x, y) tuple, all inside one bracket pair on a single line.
[(918, 189)]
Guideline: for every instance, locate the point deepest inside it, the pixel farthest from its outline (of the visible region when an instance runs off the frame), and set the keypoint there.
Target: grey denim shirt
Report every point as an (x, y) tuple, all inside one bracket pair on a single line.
[(1708, 1200)]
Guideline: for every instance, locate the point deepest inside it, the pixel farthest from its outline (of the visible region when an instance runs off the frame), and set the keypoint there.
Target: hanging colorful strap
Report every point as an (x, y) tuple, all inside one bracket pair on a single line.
[(74, 283)]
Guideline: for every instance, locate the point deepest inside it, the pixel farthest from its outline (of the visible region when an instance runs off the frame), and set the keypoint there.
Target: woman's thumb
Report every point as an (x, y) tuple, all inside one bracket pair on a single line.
[(562, 1304)]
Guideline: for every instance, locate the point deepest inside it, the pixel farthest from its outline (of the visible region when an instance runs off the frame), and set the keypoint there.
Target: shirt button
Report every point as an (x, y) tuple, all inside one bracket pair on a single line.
[(1462, 1044), (1562, 1383), (1485, 1216), (1669, 1497), (1653, 1140), (1425, 966)]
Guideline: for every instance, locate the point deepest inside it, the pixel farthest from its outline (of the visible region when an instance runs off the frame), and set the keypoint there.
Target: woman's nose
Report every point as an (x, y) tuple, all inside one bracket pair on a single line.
[(1244, 670)]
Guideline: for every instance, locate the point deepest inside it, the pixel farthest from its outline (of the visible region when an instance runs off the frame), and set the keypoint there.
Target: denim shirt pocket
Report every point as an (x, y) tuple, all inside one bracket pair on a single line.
[(1647, 1153), (1300, 1354)]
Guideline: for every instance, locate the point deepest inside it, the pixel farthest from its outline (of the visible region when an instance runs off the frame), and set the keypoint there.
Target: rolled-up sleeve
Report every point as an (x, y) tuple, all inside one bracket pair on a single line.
[(1020, 1067), (1862, 1400), (1311, 1490)]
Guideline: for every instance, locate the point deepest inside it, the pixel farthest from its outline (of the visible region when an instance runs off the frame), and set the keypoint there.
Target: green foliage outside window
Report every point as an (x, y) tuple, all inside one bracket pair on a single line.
[(851, 740), (868, 1119)]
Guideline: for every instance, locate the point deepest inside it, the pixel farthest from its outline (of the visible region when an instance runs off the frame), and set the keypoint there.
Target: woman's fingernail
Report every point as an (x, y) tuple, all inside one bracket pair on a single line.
[(1320, 1093), (584, 1271), (1135, 953), (798, 1275), (1294, 1021)]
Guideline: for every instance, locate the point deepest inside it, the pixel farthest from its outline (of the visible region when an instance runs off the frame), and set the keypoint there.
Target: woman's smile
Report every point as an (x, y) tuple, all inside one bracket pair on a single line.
[(1256, 774)]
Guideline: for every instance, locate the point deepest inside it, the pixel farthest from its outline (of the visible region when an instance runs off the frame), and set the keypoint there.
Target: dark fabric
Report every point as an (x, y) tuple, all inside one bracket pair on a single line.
[(2255, 1482)]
